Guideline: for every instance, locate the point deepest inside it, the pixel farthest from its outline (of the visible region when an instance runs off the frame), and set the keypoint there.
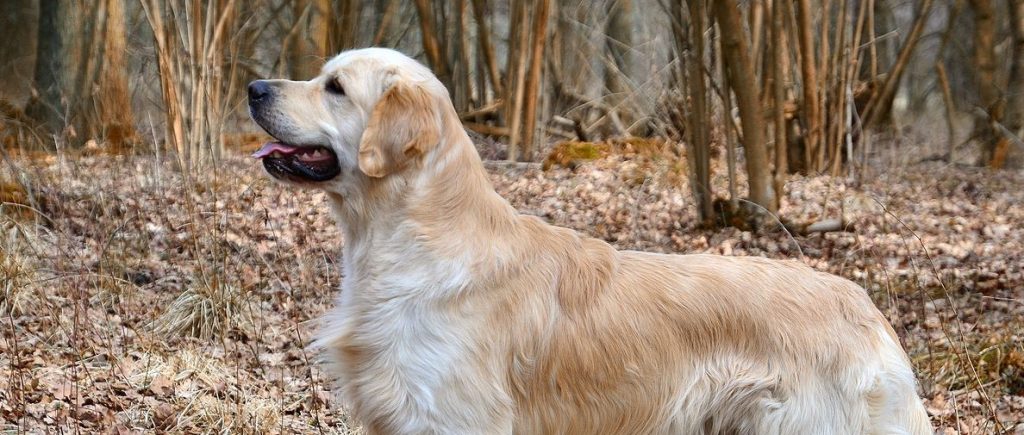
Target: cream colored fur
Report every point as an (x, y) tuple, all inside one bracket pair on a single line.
[(459, 315)]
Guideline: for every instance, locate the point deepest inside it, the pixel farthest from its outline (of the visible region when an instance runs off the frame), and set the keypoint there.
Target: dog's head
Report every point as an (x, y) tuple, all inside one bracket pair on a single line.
[(371, 113)]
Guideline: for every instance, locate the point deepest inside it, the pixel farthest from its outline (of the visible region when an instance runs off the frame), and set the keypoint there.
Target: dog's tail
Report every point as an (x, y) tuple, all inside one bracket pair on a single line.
[(917, 421), (894, 404), (896, 409)]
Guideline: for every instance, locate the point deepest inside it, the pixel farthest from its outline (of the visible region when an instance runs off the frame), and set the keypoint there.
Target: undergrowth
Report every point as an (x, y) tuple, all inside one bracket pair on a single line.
[(148, 301)]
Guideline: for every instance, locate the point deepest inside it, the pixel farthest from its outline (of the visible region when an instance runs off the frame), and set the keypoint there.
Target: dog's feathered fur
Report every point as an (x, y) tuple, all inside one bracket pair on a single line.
[(459, 315)]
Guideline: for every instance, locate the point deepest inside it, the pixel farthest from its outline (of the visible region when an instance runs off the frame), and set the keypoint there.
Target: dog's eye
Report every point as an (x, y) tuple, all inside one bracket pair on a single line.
[(334, 87)]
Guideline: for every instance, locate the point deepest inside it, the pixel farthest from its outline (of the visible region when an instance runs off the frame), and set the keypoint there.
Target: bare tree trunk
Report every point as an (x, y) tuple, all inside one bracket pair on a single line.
[(729, 126), (18, 19), (824, 66), (755, 15), (853, 64), (873, 47), (619, 36), (430, 43), (517, 64), (309, 41), (1015, 86), (881, 101), (697, 114), (320, 29), (540, 27), (53, 64), (947, 99), (462, 87), (739, 68), (116, 124), (385, 17), (484, 37), (192, 71), (809, 73), (836, 88), (779, 98), (81, 81), (174, 100), (1003, 145), (943, 78), (344, 28), (985, 72), (89, 32), (984, 51)]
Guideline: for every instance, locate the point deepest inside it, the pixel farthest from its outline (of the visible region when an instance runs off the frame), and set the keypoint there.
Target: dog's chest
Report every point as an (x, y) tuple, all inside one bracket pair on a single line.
[(400, 347)]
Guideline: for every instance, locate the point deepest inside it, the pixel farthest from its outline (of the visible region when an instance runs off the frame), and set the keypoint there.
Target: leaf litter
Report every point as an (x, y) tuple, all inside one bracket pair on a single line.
[(138, 300)]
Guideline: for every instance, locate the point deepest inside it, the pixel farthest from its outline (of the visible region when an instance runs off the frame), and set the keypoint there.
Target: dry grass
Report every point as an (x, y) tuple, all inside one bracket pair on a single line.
[(16, 283), (205, 311), (14, 199), (194, 394), (12, 194), (147, 302)]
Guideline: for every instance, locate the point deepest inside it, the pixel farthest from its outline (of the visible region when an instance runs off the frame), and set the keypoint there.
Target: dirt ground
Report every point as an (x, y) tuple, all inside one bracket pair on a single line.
[(135, 300)]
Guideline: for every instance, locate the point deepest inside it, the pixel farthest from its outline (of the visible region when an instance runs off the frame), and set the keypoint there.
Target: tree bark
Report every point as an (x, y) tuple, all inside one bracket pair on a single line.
[(431, 46), (462, 84), (755, 18), (18, 19), (53, 61), (1014, 118), (309, 43), (740, 70), (984, 51), (344, 18), (985, 74), (728, 125), (1015, 86), (809, 73), (882, 101), (81, 82), (516, 65), (487, 48), (947, 99), (192, 74), (779, 98), (697, 114), (619, 42), (539, 38), (943, 79), (116, 124)]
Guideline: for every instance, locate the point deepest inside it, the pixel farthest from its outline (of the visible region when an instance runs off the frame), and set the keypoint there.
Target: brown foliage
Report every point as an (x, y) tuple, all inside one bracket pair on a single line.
[(938, 247)]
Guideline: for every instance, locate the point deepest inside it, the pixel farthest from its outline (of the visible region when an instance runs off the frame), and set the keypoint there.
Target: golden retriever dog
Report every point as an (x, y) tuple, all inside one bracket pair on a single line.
[(458, 315)]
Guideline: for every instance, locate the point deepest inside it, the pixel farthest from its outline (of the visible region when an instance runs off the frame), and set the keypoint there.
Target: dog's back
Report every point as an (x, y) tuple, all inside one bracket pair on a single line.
[(655, 343)]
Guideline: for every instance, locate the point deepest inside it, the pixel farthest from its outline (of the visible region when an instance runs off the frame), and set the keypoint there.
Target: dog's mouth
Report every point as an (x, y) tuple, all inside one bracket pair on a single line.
[(298, 163)]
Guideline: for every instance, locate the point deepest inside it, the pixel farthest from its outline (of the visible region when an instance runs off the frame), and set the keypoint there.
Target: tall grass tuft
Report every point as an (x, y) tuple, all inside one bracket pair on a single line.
[(16, 277), (205, 311)]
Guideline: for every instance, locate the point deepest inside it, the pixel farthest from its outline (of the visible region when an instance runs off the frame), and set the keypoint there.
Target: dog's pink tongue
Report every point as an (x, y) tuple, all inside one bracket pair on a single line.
[(270, 147)]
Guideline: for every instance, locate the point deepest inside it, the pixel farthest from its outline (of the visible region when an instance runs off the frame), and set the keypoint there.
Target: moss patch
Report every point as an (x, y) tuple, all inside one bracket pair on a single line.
[(570, 154)]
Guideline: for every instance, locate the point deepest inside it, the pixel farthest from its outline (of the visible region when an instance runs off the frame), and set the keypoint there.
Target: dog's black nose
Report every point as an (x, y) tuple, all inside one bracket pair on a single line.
[(258, 90)]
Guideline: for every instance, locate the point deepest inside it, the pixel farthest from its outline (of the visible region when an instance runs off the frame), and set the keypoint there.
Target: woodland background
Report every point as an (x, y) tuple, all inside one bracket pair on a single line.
[(154, 279)]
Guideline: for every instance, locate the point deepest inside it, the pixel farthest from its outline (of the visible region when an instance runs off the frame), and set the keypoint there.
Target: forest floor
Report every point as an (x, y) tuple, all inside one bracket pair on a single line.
[(135, 300)]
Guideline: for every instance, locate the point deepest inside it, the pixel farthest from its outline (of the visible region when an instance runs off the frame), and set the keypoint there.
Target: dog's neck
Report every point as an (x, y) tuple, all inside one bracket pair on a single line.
[(446, 207)]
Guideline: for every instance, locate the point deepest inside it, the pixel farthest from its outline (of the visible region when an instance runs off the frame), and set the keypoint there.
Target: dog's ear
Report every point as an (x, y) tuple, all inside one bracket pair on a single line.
[(403, 125)]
